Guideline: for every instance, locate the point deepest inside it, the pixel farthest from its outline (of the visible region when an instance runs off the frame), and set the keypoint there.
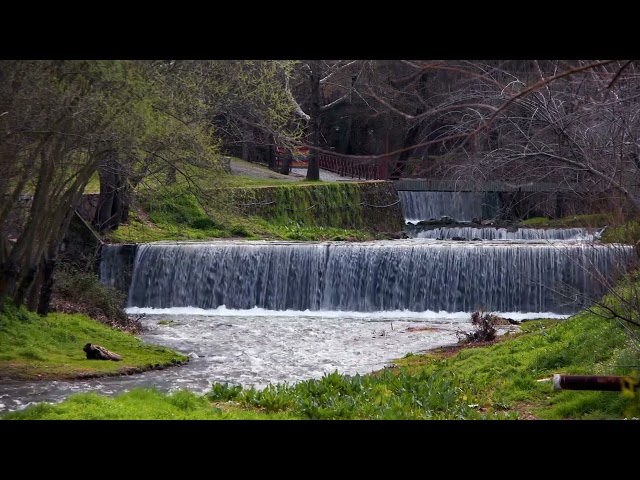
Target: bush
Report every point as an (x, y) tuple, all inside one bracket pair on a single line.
[(240, 231), (205, 224), (485, 330), (76, 291)]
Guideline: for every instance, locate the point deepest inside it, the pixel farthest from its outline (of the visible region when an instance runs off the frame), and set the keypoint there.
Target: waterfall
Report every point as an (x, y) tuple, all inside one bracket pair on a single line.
[(460, 206), (116, 265), (414, 275), (492, 233)]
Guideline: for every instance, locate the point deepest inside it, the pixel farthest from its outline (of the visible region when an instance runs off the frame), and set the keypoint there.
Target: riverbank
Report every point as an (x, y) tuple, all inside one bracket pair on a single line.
[(503, 379), (507, 378)]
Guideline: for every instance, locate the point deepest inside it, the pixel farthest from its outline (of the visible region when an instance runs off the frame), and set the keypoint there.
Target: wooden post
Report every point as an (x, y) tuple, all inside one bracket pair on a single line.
[(588, 382)]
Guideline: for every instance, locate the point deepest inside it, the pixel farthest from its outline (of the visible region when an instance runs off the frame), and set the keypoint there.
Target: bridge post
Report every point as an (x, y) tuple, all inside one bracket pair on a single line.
[(383, 169)]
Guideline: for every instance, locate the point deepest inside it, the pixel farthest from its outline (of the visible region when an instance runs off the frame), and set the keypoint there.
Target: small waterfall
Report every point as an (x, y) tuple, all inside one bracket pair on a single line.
[(116, 265), (392, 275), (493, 233), (460, 206)]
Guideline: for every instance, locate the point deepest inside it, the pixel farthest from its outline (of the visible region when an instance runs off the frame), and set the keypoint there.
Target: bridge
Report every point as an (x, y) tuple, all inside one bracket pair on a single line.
[(419, 184), (360, 168), (375, 168)]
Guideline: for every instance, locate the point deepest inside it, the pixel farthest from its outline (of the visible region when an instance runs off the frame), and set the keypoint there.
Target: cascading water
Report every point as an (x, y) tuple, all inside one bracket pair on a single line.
[(414, 275), (495, 233), (116, 265), (295, 311), (112, 263), (460, 206)]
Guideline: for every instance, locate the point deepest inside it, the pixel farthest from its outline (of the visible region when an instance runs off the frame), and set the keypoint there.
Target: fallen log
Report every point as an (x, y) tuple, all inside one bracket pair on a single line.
[(96, 352), (612, 383)]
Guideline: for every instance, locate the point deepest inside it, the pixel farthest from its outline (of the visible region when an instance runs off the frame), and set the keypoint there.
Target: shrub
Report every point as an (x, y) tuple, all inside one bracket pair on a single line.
[(240, 231), (76, 291), (205, 224), (485, 330)]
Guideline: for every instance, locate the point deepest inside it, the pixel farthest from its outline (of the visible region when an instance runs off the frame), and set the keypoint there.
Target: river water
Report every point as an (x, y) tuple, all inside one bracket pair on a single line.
[(281, 342), (256, 347)]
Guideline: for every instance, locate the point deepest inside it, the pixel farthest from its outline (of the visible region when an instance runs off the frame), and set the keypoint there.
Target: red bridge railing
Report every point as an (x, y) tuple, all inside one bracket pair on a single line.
[(361, 168)]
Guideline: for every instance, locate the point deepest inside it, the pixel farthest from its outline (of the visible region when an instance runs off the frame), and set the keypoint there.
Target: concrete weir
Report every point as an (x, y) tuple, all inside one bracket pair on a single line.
[(410, 274)]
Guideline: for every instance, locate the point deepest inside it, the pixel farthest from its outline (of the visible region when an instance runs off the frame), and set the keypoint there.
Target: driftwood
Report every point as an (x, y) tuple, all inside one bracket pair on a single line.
[(96, 352)]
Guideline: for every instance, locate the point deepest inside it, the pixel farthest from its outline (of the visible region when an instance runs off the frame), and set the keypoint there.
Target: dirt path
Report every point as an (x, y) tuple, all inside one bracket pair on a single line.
[(247, 169)]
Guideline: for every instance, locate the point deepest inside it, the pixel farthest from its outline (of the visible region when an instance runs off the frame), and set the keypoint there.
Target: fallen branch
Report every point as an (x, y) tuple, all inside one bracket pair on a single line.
[(96, 352)]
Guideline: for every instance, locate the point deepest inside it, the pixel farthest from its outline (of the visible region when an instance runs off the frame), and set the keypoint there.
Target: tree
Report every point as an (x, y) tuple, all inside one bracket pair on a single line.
[(494, 115), (129, 122), (580, 133), (55, 123), (64, 121), (251, 105), (321, 86)]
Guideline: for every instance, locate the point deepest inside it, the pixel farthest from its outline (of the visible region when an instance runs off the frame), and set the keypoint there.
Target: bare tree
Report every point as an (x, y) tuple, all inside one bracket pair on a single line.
[(579, 133), (323, 85)]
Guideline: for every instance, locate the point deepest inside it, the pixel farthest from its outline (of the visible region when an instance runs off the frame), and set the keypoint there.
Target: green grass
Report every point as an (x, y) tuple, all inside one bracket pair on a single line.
[(249, 228), (291, 230), (212, 204), (138, 231), (182, 213), (501, 381), (51, 347), (239, 181), (596, 220), (497, 382), (585, 344), (385, 396), (138, 404), (629, 233)]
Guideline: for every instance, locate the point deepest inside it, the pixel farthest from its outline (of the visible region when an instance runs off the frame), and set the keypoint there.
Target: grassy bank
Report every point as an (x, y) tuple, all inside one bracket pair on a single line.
[(510, 379), (207, 206), (51, 347)]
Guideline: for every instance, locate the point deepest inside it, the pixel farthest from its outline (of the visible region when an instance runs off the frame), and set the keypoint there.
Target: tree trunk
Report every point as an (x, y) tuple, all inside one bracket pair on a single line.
[(348, 147), (401, 164), (47, 286), (313, 170), (49, 263), (247, 144), (24, 285), (34, 290), (106, 198), (285, 169), (5, 268), (271, 160), (113, 205), (27, 249), (124, 212), (9, 274), (412, 133)]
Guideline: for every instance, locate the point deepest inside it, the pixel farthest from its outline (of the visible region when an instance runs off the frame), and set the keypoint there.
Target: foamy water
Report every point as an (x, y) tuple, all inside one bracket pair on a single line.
[(256, 347)]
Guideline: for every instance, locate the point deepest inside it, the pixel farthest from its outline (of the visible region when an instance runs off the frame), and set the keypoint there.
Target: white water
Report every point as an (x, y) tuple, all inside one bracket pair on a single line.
[(459, 206), (414, 274), (256, 347), (496, 233)]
